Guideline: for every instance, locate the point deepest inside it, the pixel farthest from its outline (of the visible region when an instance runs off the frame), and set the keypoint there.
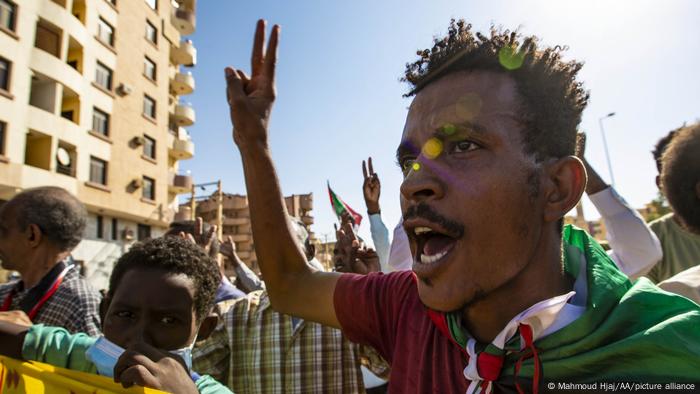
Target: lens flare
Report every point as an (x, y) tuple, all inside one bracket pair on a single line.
[(432, 148), (510, 58), (449, 129), (468, 107), (415, 166)]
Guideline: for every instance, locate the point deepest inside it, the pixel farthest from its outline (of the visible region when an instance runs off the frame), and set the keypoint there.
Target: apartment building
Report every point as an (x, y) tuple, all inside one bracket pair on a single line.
[(236, 220), (90, 100)]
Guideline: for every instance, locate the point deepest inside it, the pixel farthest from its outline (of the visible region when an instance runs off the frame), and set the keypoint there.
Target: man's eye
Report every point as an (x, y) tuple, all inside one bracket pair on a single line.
[(407, 164), (464, 146), (124, 314), (168, 320)]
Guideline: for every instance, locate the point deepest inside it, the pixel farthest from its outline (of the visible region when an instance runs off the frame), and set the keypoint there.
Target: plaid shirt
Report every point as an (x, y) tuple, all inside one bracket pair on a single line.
[(255, 349), (74, 306)]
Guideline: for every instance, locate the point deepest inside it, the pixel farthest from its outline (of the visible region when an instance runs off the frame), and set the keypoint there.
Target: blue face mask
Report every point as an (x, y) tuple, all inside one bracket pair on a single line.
[(104, 354)]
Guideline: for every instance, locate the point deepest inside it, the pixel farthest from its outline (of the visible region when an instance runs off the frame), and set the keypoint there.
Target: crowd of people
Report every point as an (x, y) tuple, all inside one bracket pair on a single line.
[(482, 288)]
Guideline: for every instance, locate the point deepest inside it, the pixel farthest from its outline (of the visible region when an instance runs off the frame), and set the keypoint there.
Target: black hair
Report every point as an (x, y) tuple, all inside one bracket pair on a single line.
[(680, 176), (661, 146), (552, 101), (175, 256), (60, 216)]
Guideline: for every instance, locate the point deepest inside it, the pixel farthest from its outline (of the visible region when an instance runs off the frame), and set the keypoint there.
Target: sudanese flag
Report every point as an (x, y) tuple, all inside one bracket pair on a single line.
[(339, 206)]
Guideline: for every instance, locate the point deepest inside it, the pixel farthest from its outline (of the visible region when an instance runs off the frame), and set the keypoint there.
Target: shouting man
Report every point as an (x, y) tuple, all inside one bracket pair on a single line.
[(500, 296)]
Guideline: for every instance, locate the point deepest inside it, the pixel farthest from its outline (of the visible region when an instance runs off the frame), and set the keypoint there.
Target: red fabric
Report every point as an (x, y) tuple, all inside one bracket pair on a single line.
[(489, 366), (384, 311)]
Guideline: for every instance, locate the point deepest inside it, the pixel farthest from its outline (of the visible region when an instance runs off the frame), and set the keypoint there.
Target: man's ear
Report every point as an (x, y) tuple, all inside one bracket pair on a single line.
[(207, 326), (564, 185), (34, 235)]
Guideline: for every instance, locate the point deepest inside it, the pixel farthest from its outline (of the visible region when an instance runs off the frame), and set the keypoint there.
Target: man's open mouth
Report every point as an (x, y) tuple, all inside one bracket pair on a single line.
[(432, 245)]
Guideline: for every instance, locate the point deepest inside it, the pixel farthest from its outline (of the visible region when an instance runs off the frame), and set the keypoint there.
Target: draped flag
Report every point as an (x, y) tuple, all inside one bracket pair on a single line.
[(339, 206), (37, 378)]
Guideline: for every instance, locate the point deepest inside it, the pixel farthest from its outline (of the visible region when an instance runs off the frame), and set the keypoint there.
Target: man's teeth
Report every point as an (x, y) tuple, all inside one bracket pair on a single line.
[(421, 230), (425, 259)]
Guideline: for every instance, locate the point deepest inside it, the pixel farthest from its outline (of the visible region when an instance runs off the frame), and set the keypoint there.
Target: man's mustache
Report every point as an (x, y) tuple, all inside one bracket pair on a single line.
[(424, 211)]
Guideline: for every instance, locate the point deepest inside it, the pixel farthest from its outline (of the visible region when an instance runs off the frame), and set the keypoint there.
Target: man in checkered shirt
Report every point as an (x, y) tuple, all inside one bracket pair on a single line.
[(38, 229)]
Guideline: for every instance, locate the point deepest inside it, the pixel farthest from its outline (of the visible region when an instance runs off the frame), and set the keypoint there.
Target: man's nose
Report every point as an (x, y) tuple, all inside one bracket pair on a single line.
[(140, 333), (423, 183)]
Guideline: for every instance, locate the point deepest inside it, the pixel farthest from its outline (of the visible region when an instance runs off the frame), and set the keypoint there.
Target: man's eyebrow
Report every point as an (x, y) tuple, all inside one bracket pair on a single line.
[(449, 129), (405, 147)]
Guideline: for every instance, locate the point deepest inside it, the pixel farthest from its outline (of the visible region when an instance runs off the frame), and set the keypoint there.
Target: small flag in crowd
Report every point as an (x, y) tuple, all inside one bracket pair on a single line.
[(339, 206)]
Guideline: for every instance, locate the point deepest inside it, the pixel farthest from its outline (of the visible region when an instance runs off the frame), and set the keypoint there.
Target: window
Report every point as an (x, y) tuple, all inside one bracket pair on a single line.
[(100, 121), (115, 229), (105, 32), (151, 33), (143, 232), (3, 127), (67, 115), (149, 69), (152, 3), (149, 188), (5, 67), (149, 147), (100, 227), (103, 76), (8, 13), (98, 171), (149, 107)]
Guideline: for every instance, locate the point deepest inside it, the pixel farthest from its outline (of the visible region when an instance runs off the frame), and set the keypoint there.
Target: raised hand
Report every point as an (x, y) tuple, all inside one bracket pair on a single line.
[(371, 188), (228, 249), (202, 239), (350, 256), (250, 99)]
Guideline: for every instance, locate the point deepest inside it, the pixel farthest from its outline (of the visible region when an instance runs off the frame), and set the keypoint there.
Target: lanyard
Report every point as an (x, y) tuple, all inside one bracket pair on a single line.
[(32, 313)]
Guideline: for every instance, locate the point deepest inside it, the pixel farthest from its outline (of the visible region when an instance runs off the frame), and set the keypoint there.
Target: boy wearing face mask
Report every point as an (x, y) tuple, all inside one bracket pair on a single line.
[(159, 301)]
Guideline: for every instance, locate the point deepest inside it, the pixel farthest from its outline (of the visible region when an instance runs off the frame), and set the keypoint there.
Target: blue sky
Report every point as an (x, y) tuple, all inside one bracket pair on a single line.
[(340, 99)]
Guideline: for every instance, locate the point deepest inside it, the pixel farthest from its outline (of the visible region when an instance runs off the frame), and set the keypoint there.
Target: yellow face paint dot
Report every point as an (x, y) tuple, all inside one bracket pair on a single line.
[(432, 148), (415, 166)]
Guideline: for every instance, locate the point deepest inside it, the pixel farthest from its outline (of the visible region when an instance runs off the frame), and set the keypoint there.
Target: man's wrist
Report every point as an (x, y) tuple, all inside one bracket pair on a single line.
[(373, 209)]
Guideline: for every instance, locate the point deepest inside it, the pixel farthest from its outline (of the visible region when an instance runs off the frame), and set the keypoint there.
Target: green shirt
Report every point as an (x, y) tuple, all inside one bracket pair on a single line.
[(681, 248), (58, 347)]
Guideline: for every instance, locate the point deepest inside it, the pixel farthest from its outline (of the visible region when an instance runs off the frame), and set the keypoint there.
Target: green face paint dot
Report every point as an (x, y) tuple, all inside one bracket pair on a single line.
[(415, 166), (449, 129), (510, 58)]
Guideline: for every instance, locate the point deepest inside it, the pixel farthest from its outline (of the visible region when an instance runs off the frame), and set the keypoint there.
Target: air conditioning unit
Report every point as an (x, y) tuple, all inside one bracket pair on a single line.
[(136, 183), (138, 141), (124, 89), (127, 234)]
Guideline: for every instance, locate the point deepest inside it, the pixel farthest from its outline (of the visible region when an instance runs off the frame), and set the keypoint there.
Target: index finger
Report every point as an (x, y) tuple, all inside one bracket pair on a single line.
[(364, 170), (256, 59), (198, 226), (271, 55)]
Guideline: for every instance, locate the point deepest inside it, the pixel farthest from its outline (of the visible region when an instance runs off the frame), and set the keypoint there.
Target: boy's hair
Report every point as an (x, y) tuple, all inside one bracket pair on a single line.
[(552, 101), (661, 146), (175, 256), (680, 173)]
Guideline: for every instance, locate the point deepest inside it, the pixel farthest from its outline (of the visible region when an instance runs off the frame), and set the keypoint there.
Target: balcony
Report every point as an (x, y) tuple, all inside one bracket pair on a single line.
[(306, 202), (235, 221), (185, 54), (181, 147), (307, 220), (184, 21), (182, 83), (183, 115), (179, 184), (242, 237)]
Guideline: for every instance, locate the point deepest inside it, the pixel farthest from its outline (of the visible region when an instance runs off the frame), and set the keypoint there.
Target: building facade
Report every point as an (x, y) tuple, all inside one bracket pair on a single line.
[(236, 220), (90, 101)]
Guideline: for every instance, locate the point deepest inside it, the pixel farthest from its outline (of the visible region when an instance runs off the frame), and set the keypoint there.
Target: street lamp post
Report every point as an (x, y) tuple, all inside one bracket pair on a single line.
[(605, 145)]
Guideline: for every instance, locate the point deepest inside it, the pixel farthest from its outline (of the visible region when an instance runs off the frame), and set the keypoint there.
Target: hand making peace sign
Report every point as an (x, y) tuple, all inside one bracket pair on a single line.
[(250, 99)]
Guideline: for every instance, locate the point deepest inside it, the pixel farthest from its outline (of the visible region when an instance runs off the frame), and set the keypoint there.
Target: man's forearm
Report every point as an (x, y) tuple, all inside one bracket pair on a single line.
[(12, 339), (276, 248)]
